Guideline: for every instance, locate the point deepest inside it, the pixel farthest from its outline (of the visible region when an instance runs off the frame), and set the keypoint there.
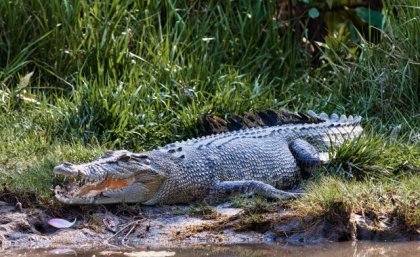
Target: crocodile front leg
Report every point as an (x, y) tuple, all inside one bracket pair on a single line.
[(226, 189)]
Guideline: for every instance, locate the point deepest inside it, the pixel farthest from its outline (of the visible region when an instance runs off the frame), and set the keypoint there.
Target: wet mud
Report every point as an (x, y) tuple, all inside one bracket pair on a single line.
[(363, 248)]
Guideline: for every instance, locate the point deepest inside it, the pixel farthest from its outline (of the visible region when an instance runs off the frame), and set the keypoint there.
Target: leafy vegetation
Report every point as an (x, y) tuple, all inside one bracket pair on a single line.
[(322, 19), (79, 77)]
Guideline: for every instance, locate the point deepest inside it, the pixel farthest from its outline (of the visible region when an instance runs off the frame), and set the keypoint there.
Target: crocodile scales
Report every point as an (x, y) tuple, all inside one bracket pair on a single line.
[(261, 161)]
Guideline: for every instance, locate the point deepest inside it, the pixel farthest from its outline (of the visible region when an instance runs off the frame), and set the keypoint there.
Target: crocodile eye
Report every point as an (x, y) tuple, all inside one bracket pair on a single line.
[(142, 158), (124, 158)]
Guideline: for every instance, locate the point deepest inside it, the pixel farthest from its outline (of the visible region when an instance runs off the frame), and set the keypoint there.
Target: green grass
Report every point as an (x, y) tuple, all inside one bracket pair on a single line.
[(368, 176), (374, 156), (390, 197), (136, 74)]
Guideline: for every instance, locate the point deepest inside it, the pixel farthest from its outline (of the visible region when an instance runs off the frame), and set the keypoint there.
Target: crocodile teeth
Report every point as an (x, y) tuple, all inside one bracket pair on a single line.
[(111, 192), (77, 199)]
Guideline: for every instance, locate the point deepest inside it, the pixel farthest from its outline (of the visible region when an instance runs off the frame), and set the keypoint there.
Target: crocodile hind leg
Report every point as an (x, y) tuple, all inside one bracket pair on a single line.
[(307, 156), (226, 189)]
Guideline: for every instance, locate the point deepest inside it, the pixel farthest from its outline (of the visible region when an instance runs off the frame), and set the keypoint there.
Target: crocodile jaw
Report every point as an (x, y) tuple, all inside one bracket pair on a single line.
[(115, 178), (108, 190), (130, 194)]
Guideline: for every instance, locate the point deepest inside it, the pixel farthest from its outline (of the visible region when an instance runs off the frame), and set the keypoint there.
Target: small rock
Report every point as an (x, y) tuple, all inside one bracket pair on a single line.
[(5, 220), (19, 206), (16, 235), (227, 210), (111, 222), (270, 237)]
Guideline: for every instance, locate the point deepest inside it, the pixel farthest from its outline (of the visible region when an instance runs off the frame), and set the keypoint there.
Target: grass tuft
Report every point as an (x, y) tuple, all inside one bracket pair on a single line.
[(374, 156), (375, 197)]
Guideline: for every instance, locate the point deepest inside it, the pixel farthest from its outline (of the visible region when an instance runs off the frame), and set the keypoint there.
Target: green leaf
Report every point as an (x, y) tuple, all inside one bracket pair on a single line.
[(313, 13), (24, 82), (372, 17)]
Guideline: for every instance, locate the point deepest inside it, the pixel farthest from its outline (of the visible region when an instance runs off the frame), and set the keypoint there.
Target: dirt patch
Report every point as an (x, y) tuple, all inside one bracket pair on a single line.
[(171, 226)]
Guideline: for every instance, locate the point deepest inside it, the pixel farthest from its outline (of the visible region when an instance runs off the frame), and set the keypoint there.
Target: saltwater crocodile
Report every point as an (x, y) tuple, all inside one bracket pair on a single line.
[(260, 161)]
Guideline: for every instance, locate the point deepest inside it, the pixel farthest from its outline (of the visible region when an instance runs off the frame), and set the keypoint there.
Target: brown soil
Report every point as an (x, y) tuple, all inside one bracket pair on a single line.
[(171, 226)]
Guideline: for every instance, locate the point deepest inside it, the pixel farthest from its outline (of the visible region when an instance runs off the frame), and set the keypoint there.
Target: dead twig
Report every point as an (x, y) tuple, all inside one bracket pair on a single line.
[(133, 224), (126, 235)]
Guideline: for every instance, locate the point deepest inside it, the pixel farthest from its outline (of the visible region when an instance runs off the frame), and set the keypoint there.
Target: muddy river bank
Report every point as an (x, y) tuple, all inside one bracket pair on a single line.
[(128, 227)]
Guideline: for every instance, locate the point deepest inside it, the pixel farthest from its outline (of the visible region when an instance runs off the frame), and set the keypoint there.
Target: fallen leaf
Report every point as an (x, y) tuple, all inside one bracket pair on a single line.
[(61, 223)]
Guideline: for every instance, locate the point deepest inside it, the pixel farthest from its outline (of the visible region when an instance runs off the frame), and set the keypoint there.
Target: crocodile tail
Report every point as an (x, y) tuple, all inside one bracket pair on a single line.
[(338, 128)]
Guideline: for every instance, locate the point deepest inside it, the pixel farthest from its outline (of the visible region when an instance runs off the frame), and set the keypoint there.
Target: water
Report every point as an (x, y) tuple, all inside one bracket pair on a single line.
[(358, 249)]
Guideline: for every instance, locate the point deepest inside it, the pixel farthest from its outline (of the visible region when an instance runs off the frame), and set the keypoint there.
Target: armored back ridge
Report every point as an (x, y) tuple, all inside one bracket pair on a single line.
[(212, 124), (261, 160)]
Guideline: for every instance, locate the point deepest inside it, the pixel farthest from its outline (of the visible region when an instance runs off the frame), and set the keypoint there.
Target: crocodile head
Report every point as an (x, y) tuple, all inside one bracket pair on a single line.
[(116, 177)]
